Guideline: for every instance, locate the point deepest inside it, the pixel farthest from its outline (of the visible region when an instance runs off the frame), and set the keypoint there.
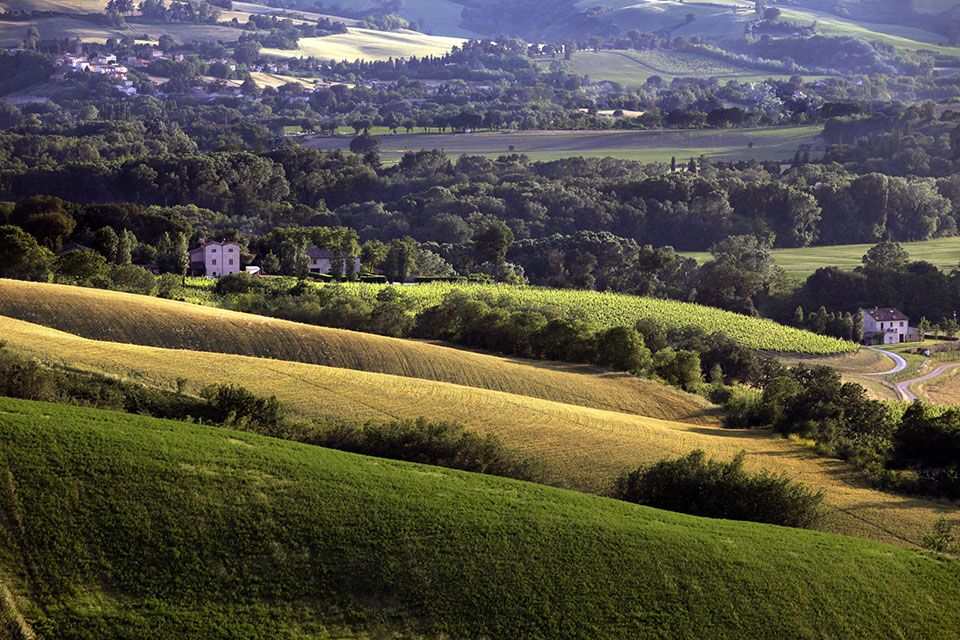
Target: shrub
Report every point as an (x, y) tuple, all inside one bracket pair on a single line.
[(132, 279), (239, 408), (241, 282), (443, 444), (622, 348), (940, 537), (692, 484)]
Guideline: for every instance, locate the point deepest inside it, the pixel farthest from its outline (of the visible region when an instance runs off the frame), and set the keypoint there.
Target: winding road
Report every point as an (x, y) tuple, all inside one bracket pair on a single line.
[(903, 388), (900, 366)]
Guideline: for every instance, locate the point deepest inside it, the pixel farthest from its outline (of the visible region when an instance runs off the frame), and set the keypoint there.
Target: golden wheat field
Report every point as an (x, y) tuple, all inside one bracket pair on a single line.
[(589, 446), (124, 317)]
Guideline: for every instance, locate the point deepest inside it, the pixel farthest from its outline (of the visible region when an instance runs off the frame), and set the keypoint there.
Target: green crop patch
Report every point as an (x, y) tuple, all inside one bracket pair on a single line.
[(614, 309), (120, 526)]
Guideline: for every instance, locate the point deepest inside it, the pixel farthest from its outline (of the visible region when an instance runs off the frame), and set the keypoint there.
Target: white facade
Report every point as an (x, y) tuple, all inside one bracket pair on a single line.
[(885, 326), (215, 259)]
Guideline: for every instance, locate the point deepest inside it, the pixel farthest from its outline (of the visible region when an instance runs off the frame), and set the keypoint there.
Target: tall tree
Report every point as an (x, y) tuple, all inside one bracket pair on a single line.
[(493, 243)]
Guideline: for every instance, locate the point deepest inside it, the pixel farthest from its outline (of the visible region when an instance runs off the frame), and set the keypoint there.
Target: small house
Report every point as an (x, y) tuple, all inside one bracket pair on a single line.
[(885, 326), (215, 259), (321, 260)]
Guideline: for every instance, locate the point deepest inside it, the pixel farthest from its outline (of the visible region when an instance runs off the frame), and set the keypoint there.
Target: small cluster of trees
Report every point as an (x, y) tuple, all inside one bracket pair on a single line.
[(715, 489), (916, 452)]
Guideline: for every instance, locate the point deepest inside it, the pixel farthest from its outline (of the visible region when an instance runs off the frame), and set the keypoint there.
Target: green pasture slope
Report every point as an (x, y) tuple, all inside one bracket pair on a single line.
[(801, 263), (120, 526), (770, 143), (616, 309), (632, 68)]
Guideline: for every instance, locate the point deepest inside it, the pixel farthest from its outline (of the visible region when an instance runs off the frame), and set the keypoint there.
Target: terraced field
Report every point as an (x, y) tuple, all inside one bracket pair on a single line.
[(118, 516), (127, 318), (588, 446)]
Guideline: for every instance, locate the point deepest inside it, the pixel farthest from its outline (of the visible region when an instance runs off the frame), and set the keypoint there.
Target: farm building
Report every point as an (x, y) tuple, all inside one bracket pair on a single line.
[(321, 260), (887, 326), (215, 259)]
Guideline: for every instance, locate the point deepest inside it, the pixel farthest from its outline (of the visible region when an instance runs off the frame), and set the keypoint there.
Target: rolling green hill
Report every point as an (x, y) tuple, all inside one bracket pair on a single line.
[(119, 526), (587, 446), (632, 68)]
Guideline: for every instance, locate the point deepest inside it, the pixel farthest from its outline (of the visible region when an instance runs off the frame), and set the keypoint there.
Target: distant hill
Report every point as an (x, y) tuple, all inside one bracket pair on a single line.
[(120, 526)]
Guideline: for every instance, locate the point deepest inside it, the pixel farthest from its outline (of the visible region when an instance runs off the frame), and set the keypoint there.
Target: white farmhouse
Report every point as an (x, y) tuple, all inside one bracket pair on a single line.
[(215, 259), (321, 261), (885, 326)]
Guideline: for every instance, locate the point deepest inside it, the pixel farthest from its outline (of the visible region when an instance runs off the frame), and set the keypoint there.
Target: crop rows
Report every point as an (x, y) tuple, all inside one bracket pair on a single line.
[(612, 309)]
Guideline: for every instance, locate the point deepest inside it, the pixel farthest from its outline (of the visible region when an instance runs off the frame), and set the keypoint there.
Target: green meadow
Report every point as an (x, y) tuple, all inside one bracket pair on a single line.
[(122, 526), (800, 263), (773, 143)]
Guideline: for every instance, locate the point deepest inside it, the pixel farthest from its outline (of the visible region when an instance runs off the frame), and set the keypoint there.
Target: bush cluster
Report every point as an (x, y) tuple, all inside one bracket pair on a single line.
[(714, 489), (443, 444)]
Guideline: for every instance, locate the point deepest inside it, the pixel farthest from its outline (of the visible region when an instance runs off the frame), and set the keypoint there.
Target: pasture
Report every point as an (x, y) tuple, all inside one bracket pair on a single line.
[(772, 143), (588, 446), (944, 253), (128, 318), (118, 516), (367, 44), (633, 68), (12, 32)]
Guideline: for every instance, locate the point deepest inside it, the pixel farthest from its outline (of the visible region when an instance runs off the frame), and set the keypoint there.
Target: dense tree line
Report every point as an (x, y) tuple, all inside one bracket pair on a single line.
[(431, 198)]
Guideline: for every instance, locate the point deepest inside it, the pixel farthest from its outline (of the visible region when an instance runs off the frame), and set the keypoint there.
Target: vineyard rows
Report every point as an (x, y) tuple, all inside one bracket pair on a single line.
[(612, 309)]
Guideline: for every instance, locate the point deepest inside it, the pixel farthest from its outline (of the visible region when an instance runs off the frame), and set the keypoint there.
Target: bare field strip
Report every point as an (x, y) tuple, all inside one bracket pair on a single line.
[(591, 446), (775, 143), (128, 318)]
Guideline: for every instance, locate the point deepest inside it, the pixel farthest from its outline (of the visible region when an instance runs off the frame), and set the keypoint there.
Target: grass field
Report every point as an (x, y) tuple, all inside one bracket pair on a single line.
[(774, 143), (632, 68), (367, 44), (944, 389), (12, 32), (127, 318), (127, 526), (801, 263), (898, 36), (441, 17), (587, 446)]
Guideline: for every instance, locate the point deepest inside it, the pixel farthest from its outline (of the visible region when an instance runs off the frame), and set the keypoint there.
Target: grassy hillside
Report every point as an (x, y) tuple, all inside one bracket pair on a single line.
[(12, 32), (119, 526), (771, 143), (122, 317), (587, 446), (632, 68), (800, 263), (367, 44)]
